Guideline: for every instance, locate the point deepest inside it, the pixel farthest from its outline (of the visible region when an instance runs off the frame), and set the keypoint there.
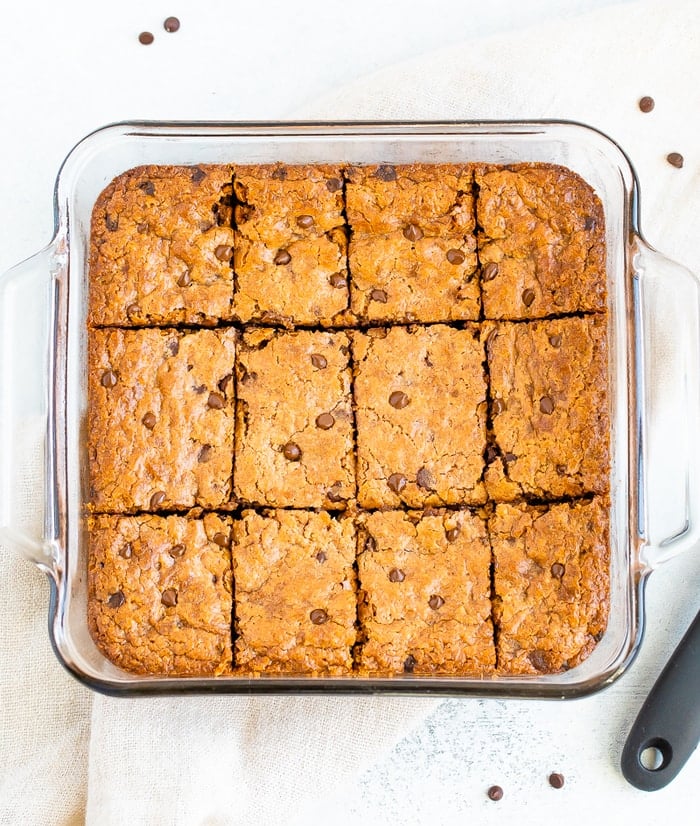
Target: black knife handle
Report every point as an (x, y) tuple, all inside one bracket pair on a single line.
[(669, 720)]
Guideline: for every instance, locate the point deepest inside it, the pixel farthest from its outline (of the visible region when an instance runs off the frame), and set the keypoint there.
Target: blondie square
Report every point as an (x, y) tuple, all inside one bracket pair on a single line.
[(295, 592), (160, 418), (541, 242), (551, 583), (161, 247), (425, 593), (549, 408), (420, 397), (294, 421), (160, 593)]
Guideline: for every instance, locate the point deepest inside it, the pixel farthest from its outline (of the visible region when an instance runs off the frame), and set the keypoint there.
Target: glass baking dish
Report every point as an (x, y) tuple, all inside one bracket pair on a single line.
[(654, 379)]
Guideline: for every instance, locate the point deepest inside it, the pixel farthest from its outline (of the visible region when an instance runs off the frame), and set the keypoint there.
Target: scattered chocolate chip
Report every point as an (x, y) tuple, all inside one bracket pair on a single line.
[(174, 346), (147, 187), (538, 660), (126, 551), (397, 482), (157, 499), (546, 405), (305, 221), (675, 159), (409, 664), (497, 407), (199, 388), (220, 539), (338, 280), (436, 602), (528, 297), (590, 223), (133, 309), (412, 232), (146, 38), (455, 256), (451, 534), (399, 400), (557, 570), (370, 543), (116, 599), (334, 495), (561, 470), (223, 252), (141, 228), (555, 340), (509, 457), (556, 780), (396, 575), (198, 175), (215, 401), (325, 421), (291, 452), (177, 551), (279, 173), (598, 636), (386, 173), (184, 280), (378, 295), (112, 224), (646, 104), (495, 793), (222, 384), (490, 271), (321, 557), (171, 24), (490, 454), (205, 453), (319, 361), (108, 379), (149, 420), (334, 184), (169, 597), (424, 479), (318, 616), (282, 257)]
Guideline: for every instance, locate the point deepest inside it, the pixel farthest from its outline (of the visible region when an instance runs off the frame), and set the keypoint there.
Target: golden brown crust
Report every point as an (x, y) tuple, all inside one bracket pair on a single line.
[(424, 594), (161, 242), (159, 593), (551, 583), (295, 593), (160, 418)]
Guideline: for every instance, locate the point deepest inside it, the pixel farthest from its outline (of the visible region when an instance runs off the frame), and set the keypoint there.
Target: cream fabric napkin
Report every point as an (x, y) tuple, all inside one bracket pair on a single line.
[(70, 757)]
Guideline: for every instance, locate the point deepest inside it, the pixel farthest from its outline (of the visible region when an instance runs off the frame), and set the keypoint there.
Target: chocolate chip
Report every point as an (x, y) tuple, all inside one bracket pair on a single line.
[(337, 280), (199, 388), (184, 280), (538, 660), (370, 543), (141, 228), (646, 104), (509, 457), (334, 184), (157, 499), (108, 379), (397, 482), (318, 616), (436, 602), (205, 453), (279, 173), (396, 575), (424, 479), (557, 570), (409, 664), (334, 495), (319, 361), (133, 309), (528, 297), (282, 257), (325, 421), (590, 223), (555, 340), (223, 252), (455, 256), (386, 173), (399, 400), (146, 38), (292, 452), (321, 557), (490, 454), (216, 401), (497, 407), (490, 271), (198, 175), (378, 295), (112, 224), (126, 551), (561, 470), (556, 780), (495, 793), (546, 405), (174, 346), (147, 187), (116, 599), (169, 597), (675, 159), (222, 384), (305, 221), (451, 534), (177, 551), (220, 539), (149, 420), (171, 24), (412, 232)]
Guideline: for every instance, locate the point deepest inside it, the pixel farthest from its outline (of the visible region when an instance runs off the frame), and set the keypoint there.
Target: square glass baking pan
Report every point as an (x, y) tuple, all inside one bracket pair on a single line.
[(654, 379)]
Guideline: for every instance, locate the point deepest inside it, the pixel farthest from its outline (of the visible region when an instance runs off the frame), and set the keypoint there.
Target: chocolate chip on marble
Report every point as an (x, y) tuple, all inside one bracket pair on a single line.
[(379, 295), (590, 223), (325, 421), (184, 280), (291, 452), (396, 575), (147, 187), (455, 257), (412, 232), (282, 257), (321, 557), (334, 184), (451, 534), (108, 379), (198, 175), (409, 664), (675, 159), (386, 173), (157, 499), (436, 602), (205, 453), (397, 482), (149, 420), (126, 551), (116, 599), (556, 780), (490, 271), (177, 551), (557, 570), (646, 104), (216, 401), (223, 252), (111, 223), (305, 221), (495, 793), (547, 405), (220, 539), (318, 616), (528, 297), (146, 38), (171, 24), (399, 400), (169, 597), (338, 280), (555, 340), (319, 362), (424, 479)]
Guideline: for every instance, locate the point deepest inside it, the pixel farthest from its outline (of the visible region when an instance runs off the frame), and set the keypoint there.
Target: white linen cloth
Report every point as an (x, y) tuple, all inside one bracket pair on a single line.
[(69, 756)]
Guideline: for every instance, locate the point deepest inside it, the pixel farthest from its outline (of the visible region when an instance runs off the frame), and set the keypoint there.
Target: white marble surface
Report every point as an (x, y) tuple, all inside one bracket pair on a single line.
[(70, 67)]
